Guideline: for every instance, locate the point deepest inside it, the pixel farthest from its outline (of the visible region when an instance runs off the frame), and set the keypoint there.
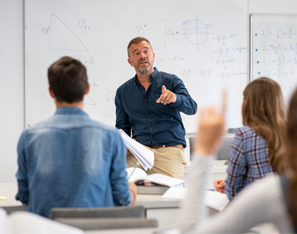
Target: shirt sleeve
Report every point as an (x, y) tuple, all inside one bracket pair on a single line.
[(118, 175), (122, 119), (21, 175), (236, 170), (254, 202), (184, 102)]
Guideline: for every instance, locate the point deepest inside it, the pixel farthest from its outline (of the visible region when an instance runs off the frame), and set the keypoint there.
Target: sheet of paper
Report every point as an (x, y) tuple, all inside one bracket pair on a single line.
[(137, 174), (20, 222), (164, 180), (175, 192), (216, 200), (145, 157)]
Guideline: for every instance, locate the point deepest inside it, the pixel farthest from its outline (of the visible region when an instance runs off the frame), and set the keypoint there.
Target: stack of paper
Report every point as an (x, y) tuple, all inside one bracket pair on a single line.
[(144, 156), (216, 200)]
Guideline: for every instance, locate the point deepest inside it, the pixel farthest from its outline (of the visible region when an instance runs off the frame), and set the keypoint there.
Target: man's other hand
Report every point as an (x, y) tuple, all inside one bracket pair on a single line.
[(166, 97)]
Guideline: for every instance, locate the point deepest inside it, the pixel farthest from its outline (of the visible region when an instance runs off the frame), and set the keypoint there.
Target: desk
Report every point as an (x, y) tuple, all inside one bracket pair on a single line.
[(9, 190), (164, 210)]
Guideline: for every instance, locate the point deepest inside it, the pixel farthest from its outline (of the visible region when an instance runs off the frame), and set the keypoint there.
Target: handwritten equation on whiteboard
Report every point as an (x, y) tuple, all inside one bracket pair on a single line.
[(274, 52)]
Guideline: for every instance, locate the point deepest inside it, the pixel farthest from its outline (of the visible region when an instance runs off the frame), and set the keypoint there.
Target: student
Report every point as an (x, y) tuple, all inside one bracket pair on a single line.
[(266, 200), (258, 146), (149, 104), (70, 160)]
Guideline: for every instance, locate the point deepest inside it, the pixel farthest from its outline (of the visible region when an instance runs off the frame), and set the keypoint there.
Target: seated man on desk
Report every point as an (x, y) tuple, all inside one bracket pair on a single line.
[(70, 160), (149, 104)]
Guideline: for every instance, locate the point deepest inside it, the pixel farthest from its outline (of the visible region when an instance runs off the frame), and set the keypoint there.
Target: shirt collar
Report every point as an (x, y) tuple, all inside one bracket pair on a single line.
[(70, 111)]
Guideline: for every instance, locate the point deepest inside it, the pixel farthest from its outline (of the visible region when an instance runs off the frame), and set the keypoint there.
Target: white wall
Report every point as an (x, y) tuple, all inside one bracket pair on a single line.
[(12, 74)]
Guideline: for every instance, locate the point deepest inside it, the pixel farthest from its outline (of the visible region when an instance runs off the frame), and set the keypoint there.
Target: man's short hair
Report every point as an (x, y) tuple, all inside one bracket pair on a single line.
[(68, 79), (137, 40)]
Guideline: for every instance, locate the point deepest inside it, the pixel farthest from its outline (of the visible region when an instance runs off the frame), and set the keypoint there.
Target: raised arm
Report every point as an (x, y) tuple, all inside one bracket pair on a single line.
[(178, 97), (184, 102)]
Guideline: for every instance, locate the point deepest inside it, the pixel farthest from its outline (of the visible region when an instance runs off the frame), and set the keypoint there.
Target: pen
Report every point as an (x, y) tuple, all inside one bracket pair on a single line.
[(3, 198), (133, 170)]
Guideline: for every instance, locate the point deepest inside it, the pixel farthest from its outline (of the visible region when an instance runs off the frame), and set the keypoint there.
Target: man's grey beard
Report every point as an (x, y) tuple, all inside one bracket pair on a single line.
[(144, 71)]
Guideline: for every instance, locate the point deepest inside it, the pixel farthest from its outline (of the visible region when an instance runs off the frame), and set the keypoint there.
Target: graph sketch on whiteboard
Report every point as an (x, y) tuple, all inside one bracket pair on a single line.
[(88, 100), (62, 37), (196, 32)]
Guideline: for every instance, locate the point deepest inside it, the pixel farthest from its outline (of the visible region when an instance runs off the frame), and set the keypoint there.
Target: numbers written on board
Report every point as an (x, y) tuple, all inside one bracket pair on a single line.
[(82, 24)]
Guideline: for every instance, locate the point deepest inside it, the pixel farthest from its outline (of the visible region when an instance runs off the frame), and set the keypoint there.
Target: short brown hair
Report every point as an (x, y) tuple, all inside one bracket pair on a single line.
[(68, 79), (264, 110), (137, 40)]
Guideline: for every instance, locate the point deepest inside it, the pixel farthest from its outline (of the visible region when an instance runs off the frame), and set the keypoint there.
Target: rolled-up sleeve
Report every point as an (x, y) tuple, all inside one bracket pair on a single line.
[(21, 175), (184, 102)]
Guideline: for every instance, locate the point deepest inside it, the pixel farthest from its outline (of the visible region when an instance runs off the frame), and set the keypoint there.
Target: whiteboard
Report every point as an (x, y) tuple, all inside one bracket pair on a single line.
[(274, 50), (203, 42)]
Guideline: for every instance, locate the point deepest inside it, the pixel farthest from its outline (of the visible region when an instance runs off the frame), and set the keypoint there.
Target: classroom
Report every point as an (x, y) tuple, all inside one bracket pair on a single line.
[(18, 70)]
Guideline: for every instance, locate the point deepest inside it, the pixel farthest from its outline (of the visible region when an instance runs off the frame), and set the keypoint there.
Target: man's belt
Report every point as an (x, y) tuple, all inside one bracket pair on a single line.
[(165, 146)]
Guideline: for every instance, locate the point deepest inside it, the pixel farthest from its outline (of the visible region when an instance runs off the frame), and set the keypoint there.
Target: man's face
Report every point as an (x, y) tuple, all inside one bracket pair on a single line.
[(141, 57)]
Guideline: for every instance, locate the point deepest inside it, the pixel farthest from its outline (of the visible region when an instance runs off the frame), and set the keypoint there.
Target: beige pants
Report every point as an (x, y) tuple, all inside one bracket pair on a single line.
[(168, 161)]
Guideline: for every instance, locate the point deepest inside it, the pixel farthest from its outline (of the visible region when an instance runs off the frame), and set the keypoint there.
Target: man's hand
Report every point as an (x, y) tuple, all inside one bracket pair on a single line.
[(128, 152), (166, 97), (219, 186), (211, 129), (133, 191)]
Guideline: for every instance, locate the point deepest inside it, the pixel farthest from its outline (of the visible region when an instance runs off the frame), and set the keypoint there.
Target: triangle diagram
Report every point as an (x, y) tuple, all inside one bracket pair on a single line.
[(62, 38), (89, 101), (156, 34)]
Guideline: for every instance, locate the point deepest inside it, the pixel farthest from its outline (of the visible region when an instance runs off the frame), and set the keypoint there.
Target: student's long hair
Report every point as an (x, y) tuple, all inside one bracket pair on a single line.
[(264, 110), (291, 154)]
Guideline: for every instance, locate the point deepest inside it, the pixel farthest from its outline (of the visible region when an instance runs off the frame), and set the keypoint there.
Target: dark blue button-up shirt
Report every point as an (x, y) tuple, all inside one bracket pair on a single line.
[(70, 160), (153, 123)]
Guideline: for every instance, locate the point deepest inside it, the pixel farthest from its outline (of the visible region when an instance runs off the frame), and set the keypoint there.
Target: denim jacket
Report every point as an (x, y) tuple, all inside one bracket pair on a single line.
[(70, 160)]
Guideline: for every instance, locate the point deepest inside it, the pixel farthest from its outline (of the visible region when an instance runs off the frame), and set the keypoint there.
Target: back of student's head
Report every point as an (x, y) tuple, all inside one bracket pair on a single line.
[(264, 110), (68, 79)]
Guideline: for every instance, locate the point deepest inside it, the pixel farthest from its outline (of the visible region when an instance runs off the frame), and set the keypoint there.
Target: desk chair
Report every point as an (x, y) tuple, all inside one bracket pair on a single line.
[(224, 149), (103, 218)]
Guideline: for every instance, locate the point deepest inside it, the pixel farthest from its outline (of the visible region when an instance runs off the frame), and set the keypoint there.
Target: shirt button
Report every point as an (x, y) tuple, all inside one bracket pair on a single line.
[(145, 100), (151, 137)]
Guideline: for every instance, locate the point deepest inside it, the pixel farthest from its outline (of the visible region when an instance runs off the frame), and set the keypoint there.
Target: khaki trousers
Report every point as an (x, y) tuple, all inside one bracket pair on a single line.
[(169, 161)]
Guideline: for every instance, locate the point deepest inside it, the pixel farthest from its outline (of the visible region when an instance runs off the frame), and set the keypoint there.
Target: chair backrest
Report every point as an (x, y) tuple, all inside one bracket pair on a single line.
[(108, 223), (224, 149), (103, 218), (109, 212)]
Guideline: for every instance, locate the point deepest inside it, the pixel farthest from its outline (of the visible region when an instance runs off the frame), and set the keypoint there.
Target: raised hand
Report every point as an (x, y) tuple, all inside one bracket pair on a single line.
[(167, 96), (211, 129)]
